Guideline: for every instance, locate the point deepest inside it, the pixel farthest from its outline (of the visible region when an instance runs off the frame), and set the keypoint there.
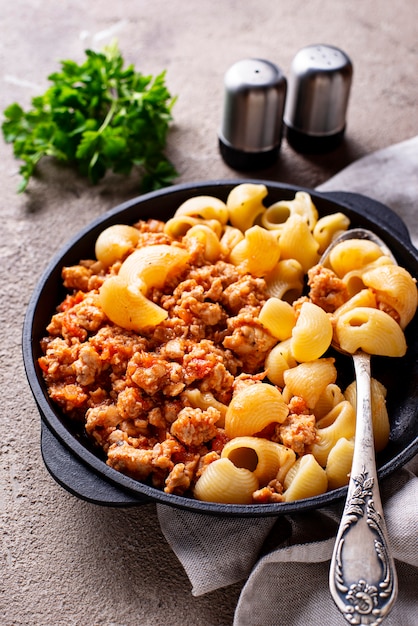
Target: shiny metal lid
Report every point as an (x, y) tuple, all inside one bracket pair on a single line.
[(319, 87), (254, 98)]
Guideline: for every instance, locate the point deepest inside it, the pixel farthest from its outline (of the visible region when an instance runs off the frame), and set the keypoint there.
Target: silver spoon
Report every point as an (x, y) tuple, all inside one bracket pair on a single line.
[(362, 578)]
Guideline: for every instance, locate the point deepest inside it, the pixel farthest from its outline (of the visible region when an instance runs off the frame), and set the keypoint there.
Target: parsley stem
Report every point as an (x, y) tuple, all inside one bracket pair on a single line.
[(109, 116)]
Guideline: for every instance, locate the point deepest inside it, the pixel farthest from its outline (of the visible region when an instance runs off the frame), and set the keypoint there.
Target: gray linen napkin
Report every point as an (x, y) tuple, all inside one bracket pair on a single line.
[(285, 561), (389, 176)]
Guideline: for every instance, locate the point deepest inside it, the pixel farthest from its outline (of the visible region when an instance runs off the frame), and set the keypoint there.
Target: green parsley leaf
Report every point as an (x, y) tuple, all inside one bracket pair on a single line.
[(96, 116)]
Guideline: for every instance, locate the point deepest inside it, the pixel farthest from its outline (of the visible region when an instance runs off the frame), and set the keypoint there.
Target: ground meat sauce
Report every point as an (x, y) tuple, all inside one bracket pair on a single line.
[(132, 392)]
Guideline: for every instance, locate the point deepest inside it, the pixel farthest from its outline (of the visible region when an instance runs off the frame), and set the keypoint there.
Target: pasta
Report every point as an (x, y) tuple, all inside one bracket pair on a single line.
[(279, 317), (203, 400), (339, 463), (230, 237), (376, 298), (123, 297), (363, 298), (224, 482), (353, 254), (245, 205), (380, 417), (153, 265), (305, 479), (208, 238), (253, 408), (328, 228), (285, 281), (395, 289), (195, 352), (178, 225), (354, 280), (312, 333), (371, 330), (126, 305), (115, 242), (264, 458), (297, 242), (276, 215), (309, 380), (278, 361), (204, 207), (258, 253), (329, 398), (339, 422)]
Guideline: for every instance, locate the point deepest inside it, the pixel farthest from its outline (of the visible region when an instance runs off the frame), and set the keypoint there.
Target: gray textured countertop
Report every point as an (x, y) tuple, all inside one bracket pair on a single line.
[(65, 562)]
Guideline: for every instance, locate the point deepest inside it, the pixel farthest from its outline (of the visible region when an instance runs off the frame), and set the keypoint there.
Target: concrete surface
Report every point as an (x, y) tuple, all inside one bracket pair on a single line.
[(64, 562)]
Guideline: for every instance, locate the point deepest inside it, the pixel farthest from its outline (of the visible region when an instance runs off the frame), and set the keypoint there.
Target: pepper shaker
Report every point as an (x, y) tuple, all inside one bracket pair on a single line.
[(317, 100)]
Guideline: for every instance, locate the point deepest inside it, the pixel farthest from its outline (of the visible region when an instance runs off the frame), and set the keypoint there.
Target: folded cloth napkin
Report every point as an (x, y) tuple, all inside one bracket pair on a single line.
[(389, 176), (285, 560)]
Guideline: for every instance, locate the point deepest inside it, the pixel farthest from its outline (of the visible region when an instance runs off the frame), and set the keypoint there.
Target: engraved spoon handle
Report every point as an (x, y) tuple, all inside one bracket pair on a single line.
[(363, 581)]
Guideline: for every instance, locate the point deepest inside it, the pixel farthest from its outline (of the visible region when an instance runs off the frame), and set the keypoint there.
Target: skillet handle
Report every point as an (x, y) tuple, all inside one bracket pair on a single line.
[(79, 480)]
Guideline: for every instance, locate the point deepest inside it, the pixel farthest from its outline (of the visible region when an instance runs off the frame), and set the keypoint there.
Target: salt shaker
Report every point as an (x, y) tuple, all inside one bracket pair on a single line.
[(251, 129)]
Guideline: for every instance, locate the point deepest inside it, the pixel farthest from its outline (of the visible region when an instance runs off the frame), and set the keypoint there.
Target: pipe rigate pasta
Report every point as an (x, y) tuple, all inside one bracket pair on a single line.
[(297, 242), (380, 417), (277, 214), (302, 205), (224, 482), (115, 242), (329, 228), (353, 254), (364, 298), (209, 240), (279, 317), (178, 225), (205, 208), (246, 464), (203, 400), (258, 253), (123, 297), (266, 459), (127, 306), (394, 288), (308, 380), (253, 408), (245, 204), (286, 280), (339, 422), (354, 279), (305, 479), (153, 264), (279, 360), (230, 237), (312, 333), (329, 398), (371, 330), (339, 463)]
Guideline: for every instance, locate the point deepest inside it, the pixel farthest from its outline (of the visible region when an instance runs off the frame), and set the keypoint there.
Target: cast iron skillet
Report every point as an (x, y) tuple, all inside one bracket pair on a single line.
[(74, 462)]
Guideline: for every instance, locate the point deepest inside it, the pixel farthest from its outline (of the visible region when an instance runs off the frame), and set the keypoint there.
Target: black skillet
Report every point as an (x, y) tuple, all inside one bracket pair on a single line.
[(80, 468)]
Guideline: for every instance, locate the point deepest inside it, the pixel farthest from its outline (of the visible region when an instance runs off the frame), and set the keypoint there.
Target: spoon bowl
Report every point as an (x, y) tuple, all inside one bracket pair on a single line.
[(362, 578)]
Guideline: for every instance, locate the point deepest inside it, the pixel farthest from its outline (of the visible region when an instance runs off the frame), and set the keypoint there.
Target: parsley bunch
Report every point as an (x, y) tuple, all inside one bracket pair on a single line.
[(96, 116)]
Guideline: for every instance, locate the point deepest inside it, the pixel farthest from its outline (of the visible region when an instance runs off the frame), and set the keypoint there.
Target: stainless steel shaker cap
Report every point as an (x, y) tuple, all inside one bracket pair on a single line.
[(319, 87), (254, 99)]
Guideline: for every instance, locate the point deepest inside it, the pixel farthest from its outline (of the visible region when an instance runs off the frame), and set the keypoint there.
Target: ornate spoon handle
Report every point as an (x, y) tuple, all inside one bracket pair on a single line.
[(363, 581)]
